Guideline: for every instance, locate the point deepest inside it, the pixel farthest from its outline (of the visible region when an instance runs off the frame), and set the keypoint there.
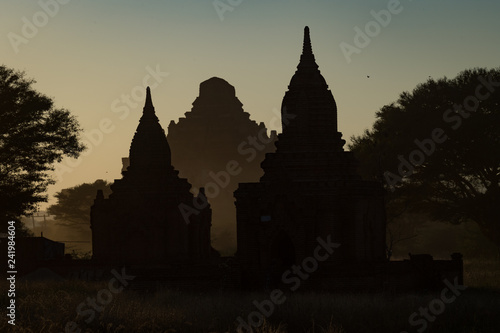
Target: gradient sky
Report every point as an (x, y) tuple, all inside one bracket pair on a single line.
[(90, 53)]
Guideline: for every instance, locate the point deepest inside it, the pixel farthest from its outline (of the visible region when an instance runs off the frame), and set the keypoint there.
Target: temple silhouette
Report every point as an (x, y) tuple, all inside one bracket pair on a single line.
[(309, 198), (140, 222), (309, 193), (310, 189), (215, 133)]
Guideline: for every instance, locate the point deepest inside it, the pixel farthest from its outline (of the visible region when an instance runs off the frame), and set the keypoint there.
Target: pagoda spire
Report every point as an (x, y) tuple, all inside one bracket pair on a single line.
[(314, 127), (307, 48), (307, 58), (149, 148), (148, 105)]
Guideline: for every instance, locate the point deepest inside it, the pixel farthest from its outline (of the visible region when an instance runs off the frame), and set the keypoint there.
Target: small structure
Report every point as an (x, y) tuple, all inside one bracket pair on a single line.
[(34, 252), (38, 249)]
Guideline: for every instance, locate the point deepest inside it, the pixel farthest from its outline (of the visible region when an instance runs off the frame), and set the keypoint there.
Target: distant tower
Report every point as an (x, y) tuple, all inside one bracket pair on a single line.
[(140, 222), (310, 189), (216, 146)]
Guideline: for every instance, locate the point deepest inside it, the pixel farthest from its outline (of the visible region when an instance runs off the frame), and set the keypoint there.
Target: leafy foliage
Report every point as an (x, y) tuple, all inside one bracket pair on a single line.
[(33, 136), (437, 149), (73, 204)]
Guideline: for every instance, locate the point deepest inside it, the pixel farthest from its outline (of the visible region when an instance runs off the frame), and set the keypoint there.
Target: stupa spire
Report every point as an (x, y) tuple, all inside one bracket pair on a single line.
[(307, 48), (149, 148), (307, 57), (148, 105), (308, 98)]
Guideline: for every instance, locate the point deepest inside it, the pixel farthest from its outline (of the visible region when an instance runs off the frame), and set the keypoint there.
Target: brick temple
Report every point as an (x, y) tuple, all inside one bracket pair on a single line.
[(311, 190), (310, 212), (216, 146), (140, 223)]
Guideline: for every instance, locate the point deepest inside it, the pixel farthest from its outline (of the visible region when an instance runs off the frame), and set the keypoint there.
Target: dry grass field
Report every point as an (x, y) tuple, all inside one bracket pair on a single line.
[(48, 307)]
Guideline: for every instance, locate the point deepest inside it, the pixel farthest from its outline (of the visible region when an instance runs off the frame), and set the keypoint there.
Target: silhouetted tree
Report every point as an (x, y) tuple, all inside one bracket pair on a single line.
[(73, 204), (437, 150), (33, 136)]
